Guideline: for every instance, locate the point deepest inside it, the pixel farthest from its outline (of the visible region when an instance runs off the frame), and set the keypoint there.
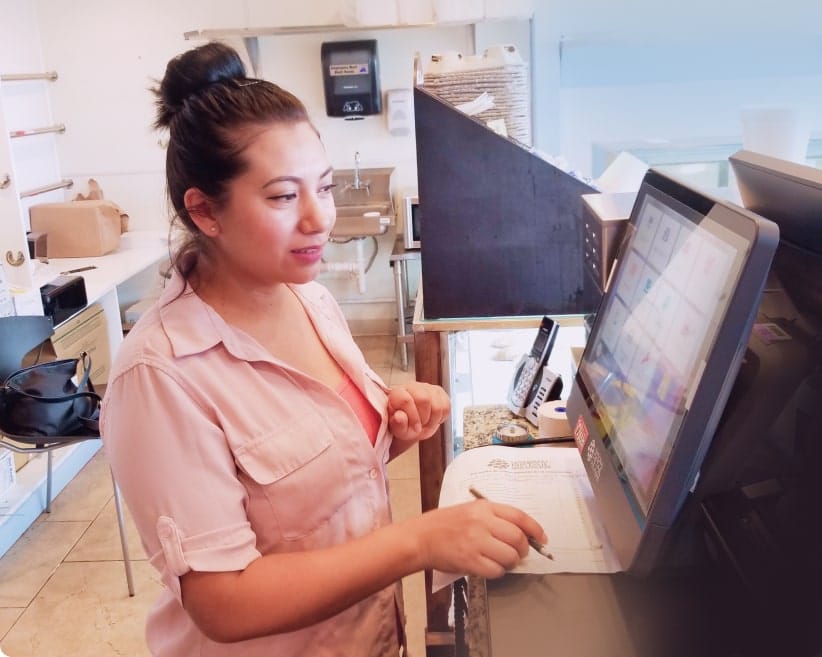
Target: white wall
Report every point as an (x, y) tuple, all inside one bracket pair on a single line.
[(604, 71), (661, 112), (647, 70), (108, 55)]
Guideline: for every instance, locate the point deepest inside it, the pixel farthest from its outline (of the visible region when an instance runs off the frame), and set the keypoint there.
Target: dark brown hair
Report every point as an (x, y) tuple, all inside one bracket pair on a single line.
[(206, 101)]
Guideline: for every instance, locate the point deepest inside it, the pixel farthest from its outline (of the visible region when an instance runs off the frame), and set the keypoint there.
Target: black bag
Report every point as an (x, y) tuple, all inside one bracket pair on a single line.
[(43, 400)]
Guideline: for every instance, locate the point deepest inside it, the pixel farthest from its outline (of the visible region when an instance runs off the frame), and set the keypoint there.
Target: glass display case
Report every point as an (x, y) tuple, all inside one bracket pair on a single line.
[(482, 362), (474, 359)]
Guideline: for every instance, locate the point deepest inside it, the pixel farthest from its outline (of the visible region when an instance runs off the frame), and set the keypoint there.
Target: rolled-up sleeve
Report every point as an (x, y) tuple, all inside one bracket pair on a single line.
[(177, 474)]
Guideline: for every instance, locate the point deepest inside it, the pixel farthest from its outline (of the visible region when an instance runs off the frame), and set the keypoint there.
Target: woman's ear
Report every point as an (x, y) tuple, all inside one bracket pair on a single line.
[(200, 209)]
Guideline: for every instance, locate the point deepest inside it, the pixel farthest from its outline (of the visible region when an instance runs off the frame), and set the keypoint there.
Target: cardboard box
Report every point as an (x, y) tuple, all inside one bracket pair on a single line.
[(86, 331), (77, 229)]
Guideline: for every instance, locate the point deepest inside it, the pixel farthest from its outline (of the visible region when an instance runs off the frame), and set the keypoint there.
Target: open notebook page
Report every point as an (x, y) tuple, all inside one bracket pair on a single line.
[(550, 484)]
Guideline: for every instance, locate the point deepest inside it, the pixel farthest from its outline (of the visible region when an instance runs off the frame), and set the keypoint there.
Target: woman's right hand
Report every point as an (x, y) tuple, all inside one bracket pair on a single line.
[(477, 538)]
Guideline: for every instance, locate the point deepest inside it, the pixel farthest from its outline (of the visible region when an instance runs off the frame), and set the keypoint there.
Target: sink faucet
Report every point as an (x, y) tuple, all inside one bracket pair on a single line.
[(358, 184)]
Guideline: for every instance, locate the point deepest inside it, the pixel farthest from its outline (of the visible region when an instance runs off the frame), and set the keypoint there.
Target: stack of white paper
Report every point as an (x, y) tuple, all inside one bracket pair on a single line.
[(481, 103), (550, 484)]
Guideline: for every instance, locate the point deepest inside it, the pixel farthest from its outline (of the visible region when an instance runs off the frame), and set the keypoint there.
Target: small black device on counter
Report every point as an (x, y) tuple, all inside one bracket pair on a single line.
[(63, 297), (351, 78)]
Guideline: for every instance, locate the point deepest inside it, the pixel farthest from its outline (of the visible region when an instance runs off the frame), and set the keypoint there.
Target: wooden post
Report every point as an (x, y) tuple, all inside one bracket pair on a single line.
[(433, 460)]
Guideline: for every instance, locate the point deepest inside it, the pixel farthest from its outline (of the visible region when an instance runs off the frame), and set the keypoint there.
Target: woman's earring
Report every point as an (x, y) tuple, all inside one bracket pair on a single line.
[(214, 229)]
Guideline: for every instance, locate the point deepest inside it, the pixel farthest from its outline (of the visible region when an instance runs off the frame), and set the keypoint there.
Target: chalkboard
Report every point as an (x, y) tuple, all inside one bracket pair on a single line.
[(502, 229)]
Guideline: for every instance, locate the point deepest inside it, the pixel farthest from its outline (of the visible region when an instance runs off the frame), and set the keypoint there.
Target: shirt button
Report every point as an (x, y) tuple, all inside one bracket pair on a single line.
[(372, 473)]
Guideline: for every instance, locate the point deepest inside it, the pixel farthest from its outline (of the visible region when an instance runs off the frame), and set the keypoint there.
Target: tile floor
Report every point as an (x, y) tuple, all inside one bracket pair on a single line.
[(62, 585)]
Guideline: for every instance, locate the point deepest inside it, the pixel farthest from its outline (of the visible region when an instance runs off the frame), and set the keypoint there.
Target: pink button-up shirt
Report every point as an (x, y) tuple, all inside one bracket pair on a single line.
[(224, 453)]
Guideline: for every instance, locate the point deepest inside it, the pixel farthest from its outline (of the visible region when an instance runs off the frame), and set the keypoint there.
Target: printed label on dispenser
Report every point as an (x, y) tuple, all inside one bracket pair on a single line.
[(348, 69)]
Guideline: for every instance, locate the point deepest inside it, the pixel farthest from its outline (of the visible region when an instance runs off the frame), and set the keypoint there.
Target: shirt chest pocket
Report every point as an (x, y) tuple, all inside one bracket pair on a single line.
[(302, 475)]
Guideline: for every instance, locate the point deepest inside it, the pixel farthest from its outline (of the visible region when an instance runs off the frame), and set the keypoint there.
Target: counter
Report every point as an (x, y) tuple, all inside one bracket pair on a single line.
[(679, 612), (433, 342), (479, 424), (675, 613), (683, 610), (117, 280), (431, 366)]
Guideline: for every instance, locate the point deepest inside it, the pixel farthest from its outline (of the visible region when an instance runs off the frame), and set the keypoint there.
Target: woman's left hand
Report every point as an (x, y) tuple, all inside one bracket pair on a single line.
[(415, 410)]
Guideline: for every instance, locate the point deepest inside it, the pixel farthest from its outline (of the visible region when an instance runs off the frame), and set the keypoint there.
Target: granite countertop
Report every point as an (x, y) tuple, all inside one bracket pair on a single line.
[(480, 424)]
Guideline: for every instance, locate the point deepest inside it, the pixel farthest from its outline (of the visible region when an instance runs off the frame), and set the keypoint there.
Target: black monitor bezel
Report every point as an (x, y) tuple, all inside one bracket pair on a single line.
[(638, 537), (783, 191)]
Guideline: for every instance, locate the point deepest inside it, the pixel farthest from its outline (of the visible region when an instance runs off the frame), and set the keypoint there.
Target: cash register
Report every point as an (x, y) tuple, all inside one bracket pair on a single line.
[(761, 492), (658, 371)]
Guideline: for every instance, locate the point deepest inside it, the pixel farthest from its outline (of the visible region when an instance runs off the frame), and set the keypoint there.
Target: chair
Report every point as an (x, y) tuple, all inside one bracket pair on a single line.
[(18, 336)]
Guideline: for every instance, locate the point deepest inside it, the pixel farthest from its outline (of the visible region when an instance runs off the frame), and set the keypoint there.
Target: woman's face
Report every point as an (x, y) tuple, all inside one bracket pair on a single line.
[(279, 212)]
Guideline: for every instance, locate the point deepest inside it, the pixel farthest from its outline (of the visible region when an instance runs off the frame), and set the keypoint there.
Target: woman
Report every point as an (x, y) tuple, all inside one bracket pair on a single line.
[(243, 425)]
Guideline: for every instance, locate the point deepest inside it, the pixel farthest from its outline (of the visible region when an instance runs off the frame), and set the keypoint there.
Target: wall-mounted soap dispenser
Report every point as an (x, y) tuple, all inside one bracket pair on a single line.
[(351, 78), (399, 111)]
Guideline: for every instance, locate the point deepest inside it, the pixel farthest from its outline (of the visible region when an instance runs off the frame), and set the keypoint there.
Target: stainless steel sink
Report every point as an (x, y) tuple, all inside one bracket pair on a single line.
[(363, 200), (362, 220)]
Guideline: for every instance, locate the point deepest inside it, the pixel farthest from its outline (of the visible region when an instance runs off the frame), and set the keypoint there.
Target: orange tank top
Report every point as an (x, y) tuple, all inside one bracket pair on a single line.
[(366, 414)]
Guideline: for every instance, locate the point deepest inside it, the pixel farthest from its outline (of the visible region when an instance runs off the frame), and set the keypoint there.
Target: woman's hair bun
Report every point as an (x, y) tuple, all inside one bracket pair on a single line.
[(193, 71)]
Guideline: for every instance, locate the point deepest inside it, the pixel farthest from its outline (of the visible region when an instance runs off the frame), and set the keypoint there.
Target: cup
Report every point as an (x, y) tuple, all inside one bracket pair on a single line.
[(781, 132)]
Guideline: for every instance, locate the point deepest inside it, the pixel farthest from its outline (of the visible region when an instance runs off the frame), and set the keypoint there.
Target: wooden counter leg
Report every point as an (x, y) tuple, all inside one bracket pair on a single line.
[(439, 636)]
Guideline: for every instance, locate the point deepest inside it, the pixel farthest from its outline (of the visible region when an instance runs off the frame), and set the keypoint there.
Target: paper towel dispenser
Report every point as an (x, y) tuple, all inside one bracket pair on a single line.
[(351, 78)]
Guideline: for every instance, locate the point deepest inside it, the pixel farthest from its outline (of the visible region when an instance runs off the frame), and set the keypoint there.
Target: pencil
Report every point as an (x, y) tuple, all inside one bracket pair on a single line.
[(78, 270), (534, 543)]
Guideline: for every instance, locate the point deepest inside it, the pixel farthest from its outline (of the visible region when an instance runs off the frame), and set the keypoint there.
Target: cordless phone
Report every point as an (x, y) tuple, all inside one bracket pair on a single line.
[(529, 383)]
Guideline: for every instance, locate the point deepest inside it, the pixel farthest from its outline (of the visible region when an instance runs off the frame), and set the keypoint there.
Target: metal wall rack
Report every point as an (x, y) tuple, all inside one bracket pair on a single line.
[(17, 258), (50, 76), (21, 77), (59, 127), (65, 183)]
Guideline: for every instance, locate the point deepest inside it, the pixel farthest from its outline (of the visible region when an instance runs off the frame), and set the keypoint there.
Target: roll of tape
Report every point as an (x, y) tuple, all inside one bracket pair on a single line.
[(553, 420), (511, 432)]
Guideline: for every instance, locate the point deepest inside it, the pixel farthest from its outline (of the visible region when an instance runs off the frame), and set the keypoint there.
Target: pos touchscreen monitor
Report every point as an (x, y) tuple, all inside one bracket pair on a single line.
[(662, 357)]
